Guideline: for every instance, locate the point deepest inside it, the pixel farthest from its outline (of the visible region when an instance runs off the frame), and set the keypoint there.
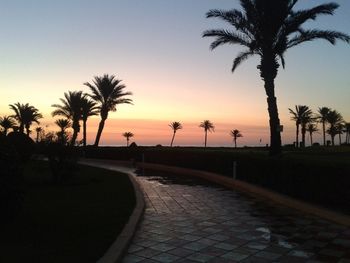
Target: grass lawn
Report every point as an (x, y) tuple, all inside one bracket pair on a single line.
[(75, 221)]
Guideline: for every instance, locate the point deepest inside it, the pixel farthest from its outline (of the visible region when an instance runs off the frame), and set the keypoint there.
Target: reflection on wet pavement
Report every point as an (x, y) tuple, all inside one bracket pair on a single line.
[(189, 220)]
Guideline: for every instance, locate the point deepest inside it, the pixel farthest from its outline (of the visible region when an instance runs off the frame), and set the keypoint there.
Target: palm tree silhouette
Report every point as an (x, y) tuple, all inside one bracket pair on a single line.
[(107, 92), (207, 126), (311, 128), (322, 118), (25, 114), (128, 135), (347, 131), (235, 134), (71, 108), (301, 116), (174, 126), (63, 124), (334, 119), (269, 29), (88, 108), (38, 130), (7, 122)]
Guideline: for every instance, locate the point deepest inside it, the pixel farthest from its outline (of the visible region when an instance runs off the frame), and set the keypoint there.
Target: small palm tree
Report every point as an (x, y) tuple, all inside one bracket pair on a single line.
[(88, 108), (25, 115), (322, 118), (311, 128), (301, 116), (340, 130), (38, 131), (347, 132), (63, 124), (71, 108), (207, 126), (334, 119), (7, 122), (174, 126), (128, 135), (268, 29), (107, 92), (235, 134)]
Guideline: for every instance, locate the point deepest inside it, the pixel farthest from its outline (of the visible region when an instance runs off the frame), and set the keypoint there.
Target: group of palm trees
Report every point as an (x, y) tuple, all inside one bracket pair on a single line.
[(76, 106), (331, 120), (268, 29)]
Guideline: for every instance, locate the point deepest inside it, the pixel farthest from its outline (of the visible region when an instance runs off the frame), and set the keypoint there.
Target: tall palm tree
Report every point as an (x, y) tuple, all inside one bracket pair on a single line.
[(25, 115), (7, 122), (71, 108), (88, 108), (63, 124), (340, 130), (107, 92), (301, 116), (322, 118), (235, 134), (311, 128), (347, 132), (38, 130), (334, 118), (268, 29), (128, 135), (174, 126), (207, 126)]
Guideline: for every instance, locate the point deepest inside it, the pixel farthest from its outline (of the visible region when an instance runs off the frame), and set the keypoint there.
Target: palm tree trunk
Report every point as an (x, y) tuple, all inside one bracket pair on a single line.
[(127, 141), (205, 139), (332, 137), (303, 132), (324, 132), (339, 138), (311, 138), (76, 129), (37, 137), (235, 139), (84, 132), (99, 132), (172, 140), (297, 135)]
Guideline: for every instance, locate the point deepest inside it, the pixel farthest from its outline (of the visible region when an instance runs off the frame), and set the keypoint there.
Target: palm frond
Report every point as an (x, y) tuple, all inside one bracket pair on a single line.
[(240, 58), (226, 37)]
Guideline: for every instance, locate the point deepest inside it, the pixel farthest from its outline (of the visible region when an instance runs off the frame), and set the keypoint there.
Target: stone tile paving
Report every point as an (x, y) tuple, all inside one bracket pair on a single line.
[(188, 220)]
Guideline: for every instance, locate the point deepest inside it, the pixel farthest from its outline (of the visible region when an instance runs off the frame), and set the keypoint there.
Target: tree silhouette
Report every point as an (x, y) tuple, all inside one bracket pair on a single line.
[(88, 108), (322, 118), (268, 29), (235, 134), (25, 115), (207, 126), (63, 124), (174, 126), (311, 128), (301, 116), (71, 108), (38, 130), (107, 92), (7, 122), (334, 118), (128, 135), (347, 132)]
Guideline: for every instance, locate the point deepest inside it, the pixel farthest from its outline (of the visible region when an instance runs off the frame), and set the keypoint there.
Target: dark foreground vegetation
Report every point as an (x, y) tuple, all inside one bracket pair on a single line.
[(72, 221), (319, 175)]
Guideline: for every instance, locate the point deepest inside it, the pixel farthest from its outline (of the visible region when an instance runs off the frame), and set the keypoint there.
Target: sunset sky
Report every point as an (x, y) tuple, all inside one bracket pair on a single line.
[(155, 46)]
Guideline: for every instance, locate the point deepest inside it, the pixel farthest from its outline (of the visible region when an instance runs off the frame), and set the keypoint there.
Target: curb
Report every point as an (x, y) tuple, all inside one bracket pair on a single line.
[(255, 191), (116, 251)]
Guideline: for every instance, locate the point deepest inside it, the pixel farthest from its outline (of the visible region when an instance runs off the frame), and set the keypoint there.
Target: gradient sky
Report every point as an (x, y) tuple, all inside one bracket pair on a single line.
[(155, 46)]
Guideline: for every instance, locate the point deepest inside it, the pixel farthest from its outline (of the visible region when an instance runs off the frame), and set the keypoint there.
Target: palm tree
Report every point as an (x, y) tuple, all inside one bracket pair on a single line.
[(38, 130), (107, 92), (207, 126), (235, 134), (71, 108), (268, 29), (347, 132), (7, 122), (340, 129), (89, 108), (174, 126), (301, 116), (63, 124), (128, 135), (322, 118), (311, 128), (334, 118), (25, 114)]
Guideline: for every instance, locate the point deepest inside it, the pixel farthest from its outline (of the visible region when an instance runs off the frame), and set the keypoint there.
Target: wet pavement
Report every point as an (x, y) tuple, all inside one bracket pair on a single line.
[(188, 220)]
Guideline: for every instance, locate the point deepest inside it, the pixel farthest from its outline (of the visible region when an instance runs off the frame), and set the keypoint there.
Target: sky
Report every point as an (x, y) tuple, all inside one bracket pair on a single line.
[(155, 47)]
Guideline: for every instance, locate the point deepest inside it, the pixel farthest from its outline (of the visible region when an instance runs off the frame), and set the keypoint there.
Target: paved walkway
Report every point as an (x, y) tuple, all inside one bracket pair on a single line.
[(188, 220)]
